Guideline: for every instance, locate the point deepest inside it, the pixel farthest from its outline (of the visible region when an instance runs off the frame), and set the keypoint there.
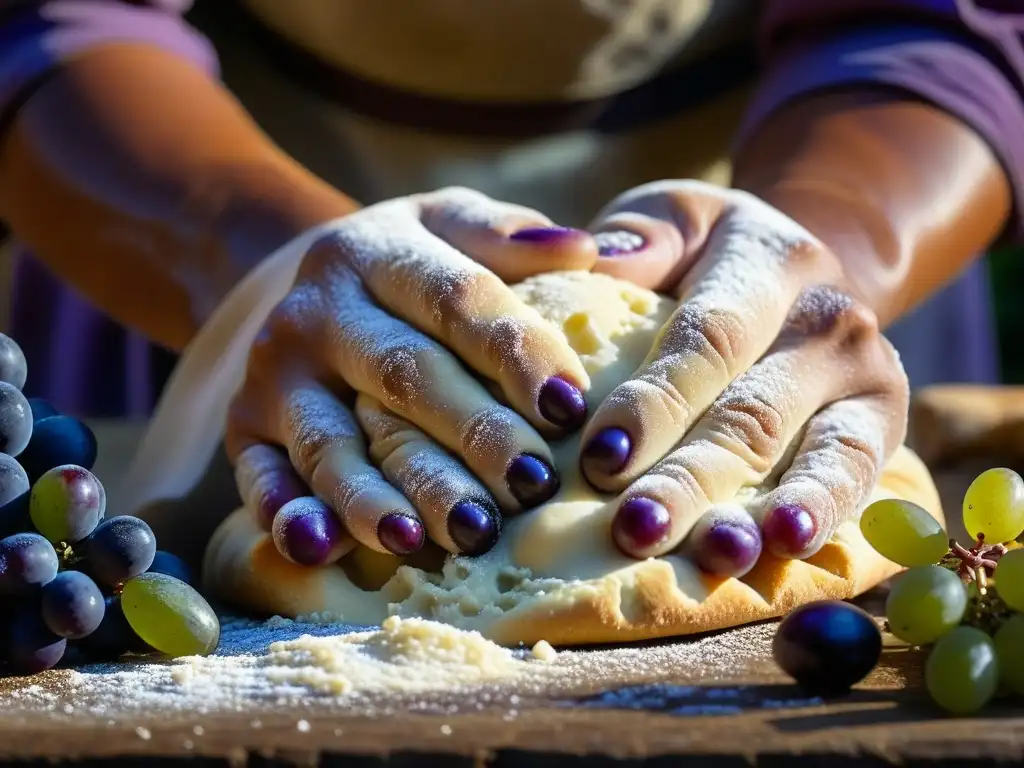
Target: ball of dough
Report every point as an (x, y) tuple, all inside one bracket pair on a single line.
[(555, 574)]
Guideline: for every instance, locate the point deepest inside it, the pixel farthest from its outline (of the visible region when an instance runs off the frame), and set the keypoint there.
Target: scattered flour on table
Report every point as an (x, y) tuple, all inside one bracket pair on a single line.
[(283, 666)]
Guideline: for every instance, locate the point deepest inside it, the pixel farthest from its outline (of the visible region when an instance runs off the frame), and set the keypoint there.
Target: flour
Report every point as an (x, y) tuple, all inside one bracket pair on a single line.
[(286, 668)]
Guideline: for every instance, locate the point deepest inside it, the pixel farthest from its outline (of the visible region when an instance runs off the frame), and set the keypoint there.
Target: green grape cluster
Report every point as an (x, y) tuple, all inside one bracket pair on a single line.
[(77, 585), (965, 603)]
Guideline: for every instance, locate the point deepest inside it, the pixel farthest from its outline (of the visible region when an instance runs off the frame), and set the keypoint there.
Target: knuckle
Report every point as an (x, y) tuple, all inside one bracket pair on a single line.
[(403, 373), (824, 311), (329, 253), (722, 333), (457, 294), (751, 420)]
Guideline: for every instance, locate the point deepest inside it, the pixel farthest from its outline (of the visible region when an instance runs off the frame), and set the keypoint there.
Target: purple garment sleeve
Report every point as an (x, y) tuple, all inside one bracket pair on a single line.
[(965, 56), (80, 359)]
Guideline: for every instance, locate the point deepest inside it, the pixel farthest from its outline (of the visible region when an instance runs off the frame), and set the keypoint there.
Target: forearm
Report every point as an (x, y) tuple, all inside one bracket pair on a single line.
[(137, 178), (903, 193)]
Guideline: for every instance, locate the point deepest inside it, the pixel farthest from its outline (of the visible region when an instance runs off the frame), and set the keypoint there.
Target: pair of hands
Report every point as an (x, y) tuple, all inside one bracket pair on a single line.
[(370, 411)]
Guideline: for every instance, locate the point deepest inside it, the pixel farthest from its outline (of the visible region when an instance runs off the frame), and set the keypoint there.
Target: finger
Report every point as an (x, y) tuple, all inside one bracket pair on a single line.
[(646, 251), (307, 532), (736, 298), (457, 510), (266, 482), (836, 467), (747, 431), (725, 541), (512, 241), (467, 308), (327, 450), (419, 380)]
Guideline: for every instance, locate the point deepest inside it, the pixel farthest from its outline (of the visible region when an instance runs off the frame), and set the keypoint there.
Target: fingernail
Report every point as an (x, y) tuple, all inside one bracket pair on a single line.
[(531, 480), (607, 452), (640, 524), (543, 234), (562, 404), (788, 530), (307, 532), (473, 528), (619, 243), (728, 549), (401, 534)]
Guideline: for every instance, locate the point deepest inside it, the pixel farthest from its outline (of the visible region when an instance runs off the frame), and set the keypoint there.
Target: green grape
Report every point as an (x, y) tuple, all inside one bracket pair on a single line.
[(961, 673), (1009, 642), (994, 506), (925, 603), (1010, 579), (904, 533), (170, 615)]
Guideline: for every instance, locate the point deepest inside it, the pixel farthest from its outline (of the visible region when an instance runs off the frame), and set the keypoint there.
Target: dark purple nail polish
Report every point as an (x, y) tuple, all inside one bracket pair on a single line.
[(531, 480), (619, 243), (473, 528), (607, 452), (562, 404), (543, 235), (788, 530), (728, 548), (307, 532), (401, 534), (640, 524)]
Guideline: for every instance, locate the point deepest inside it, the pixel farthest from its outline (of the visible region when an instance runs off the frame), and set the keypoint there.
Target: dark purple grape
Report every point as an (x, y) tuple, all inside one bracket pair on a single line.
[(14, 516), (171, 565), (27, 562), (67, 503), (827, 646), (31, 646), (58, 440), (13, 480), (307, 532), (13, 366), (118, 549), (41, 409), (72, 605), (725, 541), (114, 635), (15, 420)]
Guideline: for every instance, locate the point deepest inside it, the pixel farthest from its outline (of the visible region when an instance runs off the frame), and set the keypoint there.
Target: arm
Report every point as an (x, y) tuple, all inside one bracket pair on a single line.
[(132, 173), (907, 165)]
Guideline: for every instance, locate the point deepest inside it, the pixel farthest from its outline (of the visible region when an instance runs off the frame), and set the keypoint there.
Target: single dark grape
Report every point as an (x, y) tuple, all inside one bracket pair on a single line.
[(13, 479), (31, 646), (15, 420), (170, 565), (114, 636), (41, 409), (827, 646), (14, 516), (58, 440), (118, 549), (14, 494), (72, 605), (13, 367), (27, 562), (67, 503)]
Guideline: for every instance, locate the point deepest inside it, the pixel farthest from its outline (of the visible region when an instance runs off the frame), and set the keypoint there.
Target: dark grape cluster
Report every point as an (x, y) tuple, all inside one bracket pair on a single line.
[(75, 584)]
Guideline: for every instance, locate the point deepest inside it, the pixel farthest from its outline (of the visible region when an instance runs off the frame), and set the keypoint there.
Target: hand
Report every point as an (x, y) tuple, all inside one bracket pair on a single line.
[(767, 352), (404, 304)]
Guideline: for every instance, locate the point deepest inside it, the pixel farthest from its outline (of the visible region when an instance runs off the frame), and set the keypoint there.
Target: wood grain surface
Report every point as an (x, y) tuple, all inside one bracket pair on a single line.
[(650, 706)]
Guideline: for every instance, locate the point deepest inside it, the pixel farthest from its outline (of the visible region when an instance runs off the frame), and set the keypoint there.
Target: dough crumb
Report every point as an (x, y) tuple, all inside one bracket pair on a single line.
[(543, 651)]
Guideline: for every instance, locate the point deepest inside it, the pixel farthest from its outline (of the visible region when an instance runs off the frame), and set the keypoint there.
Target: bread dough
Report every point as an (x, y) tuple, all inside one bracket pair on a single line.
[(555, 574)]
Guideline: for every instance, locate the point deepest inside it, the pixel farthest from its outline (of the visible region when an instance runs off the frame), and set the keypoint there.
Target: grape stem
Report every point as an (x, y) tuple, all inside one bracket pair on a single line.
[(979, 562)]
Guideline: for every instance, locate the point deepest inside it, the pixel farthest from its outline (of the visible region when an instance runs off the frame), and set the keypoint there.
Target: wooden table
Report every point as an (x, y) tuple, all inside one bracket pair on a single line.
[(657, 709)]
